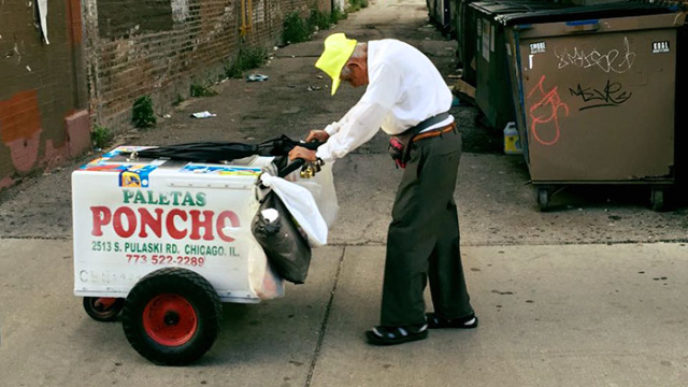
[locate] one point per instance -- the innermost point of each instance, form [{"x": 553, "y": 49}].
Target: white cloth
[{"x": 404, "y": 89}]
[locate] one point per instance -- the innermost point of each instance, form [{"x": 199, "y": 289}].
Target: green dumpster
[
  {"x": 466, "y": 36},
  {"x": 595, "y": 93},
  {"x": 492, "y": 93},
  {"x": 439, "y": 12}
]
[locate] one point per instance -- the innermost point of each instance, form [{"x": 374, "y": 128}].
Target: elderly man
[{"x": 406, "y": 97}]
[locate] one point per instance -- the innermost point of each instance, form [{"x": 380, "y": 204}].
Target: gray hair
[
  {"x": 360, "y": 51},
  {"x": 345, "y": 71}
]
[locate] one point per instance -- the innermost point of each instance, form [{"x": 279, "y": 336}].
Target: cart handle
[
  {"x": 298, "y": 163},
  {"x": 291, "y": 167}
]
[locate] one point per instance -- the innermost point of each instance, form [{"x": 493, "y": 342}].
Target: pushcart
[{"x": 164, "y": 241}]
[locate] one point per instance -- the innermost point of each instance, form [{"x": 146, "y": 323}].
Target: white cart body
[{"x": 134, "y": 217}]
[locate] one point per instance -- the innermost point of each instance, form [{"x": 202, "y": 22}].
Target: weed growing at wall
[
  {"x": 355, "y": 5},
  {"x": 201, "y": 91},
  {"x": 232, "y": 70},
  {"x": 248, "y": 57},
  {"x": 319, "y": 19},
  {"x": 142, "y": 113},
  {"x": 337, "y": 15},
  {"x": 101, "y": 136},
  {"x": 296, "y": 29},
  {"x": 251, "y": 57}
]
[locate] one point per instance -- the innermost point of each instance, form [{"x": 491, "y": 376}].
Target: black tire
[
  {"x": 103, "y": 311},
  {"x": 543, "y": 198},
  {"x": 657, "y": 199},
  {"x": 159, "y": 311}
]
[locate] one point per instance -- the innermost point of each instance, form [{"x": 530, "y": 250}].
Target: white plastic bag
[
  {"x": 302, "y": 206},
  {"x": 321, "y": 186}
]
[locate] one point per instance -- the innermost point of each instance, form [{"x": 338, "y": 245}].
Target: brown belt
[{"x": 435, "y": 132}]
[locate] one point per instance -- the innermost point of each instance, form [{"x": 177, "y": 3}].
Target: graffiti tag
[
  {"x": 612, "y": 94},
  {"x": 544, "y": 112},
  {"x": 614, "y": 60}
]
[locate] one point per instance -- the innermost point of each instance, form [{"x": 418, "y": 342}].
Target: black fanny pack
[{"x": 400, "y": 144}]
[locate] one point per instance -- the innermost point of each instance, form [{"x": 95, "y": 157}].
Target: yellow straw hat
[{"x": 338, "y": 50}]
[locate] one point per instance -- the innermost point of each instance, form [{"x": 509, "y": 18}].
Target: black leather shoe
[
  {"x": 380, "y": 335},
  {"x": 436, "y": 321}
]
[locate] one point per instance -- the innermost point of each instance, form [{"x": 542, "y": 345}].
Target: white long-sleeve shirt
[{"x": 404, "y": 89}]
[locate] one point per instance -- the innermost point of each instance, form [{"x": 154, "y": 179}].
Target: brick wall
[
  {"x": 43, "y": 94},
  {"x": 159, "y": 47}
]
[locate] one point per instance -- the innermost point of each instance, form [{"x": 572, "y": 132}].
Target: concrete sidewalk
[
  {"x": 593, "y": 315},
  {"x": 588, "y": 315}
]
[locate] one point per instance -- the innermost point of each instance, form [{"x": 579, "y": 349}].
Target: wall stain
[{"x": 20, "y": 128}]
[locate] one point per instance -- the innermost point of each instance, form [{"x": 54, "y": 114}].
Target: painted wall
[
  {"x": 43, "y": 95},
  {"x": 66, "y": 64},
  {"x": 160, "y": 47}
]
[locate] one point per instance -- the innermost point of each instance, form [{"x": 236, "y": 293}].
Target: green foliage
[
  {"x": 232, "y": 70},
  {"x": 296, "y": 29},
  {"x": 251, "y": 57},
  {"x": 355, "y": 5},
  {"x": 248, "y": 57},
  {"x": 101, "y": 136},
  {"x": 318, "y": 19},
  {"x": 337, "y": 15},
  {"x": 198, "y": 90},
  {"x": 142, "y": 113}
]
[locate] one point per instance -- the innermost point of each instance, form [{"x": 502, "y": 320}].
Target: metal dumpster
[
  {"x": 492, "y": 93},
  {"x": 595, "y": 94},
  {"x": 439, "y": 12},
  {"x": 466, "y": 36}
]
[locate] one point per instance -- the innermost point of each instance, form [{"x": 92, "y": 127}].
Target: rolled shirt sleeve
[
  {"x": 332, "y": 128},
  {"x": 355, "y": 129}
]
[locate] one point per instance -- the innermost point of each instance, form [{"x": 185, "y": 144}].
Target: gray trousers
[{"x": 423, "y": 237}]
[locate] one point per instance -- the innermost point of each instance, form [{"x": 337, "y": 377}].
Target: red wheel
[
  {"x": 170, "y": 320},
  {"x": 172, "y": 316}
]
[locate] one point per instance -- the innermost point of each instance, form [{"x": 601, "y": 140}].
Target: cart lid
[{"x": 599, "y": 11}]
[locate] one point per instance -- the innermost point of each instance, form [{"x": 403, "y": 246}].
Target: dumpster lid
[
  {"x": 599, "y": 11},
  {"x": 496, "y": 8}
]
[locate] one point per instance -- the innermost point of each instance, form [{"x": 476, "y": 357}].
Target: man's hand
[
  {"x": 299, "y": 152},
  {"x": 317, "y": 135}
]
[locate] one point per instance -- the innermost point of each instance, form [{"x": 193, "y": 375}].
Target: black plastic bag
[{"x": 286, "y": 248}]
